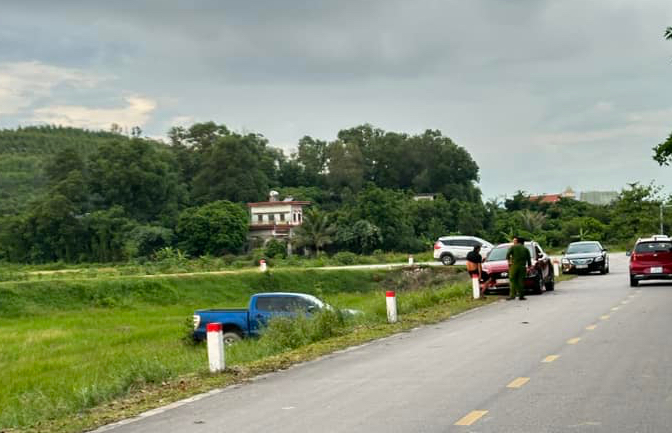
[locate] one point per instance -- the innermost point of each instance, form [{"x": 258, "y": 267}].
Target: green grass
[
  {"x": 72, "y": 348},
  {"x": 11, "y": 272}
]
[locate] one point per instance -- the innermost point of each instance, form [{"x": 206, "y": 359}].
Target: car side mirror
[
  {"x": 562, "y": 252},
  {"x": 628, "y": 253},
  {"x": 311, "y": 309},
  {"x": 605, "y": 250}
]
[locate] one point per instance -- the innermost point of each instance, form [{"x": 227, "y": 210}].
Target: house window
[
  {"x": 294, "y": 214},
  {"x": 271, "y": 217},
  {"x": 282, "y": 217},
  {"x": 260, "y": 218},
  {"x": 299, "y": 217}
]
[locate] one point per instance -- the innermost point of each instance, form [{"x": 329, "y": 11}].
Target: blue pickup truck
[{"x": 241, "y": 323}]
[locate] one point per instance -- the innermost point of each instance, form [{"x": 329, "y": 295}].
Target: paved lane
[{"x": 483, "y": 370}]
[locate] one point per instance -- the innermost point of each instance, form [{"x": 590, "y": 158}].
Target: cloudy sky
[{"x": 544, "y": 94}]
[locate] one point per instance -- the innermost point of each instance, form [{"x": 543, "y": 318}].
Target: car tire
[
  {"x": 550, "y": 285},
  {"x": 447, "y": 259},
  {"x": 539, "y": 285},
  {"x": 231, "y": 337},
  {"x": 633, "y": 282},
  {"x": 604, "y": 270}
]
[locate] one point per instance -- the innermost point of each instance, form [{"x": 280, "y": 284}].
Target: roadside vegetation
[
  {"x": 74, "y": 351},
  {"x": 76, "y": 197}
]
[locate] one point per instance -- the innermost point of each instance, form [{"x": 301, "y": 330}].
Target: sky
[{"x": 544, "y": 94}]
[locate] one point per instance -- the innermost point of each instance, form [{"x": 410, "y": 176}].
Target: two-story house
[{"x": 275, "y": 219}]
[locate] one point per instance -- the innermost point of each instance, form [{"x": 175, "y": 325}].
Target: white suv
[{"x": 450, "y": 248}]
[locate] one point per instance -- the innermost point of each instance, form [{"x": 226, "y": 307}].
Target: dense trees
[
  {"x": 74, "y": 195},
  {"x": 215, "y": 228}
]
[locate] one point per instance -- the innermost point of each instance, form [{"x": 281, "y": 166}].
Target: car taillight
[
  {"x": 633, "y": 257},
  {"x": 437, "y": 246}
]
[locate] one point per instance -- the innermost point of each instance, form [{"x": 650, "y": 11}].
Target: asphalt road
[{"x": 607, "y": 351}]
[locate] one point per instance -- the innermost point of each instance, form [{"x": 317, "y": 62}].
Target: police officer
[{"x": 519, "y": 259}]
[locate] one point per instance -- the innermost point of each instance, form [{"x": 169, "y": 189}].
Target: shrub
[
  {"x": 276, "y": 248},
  {"x": 345, "y": 258},
  {"x": 285, "y": 333}
]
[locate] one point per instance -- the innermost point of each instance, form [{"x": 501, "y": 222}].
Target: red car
[
  {"x": 539, "y": 276},
  {"x": 651, "y": 259}
]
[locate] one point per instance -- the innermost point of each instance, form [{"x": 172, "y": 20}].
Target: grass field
[{"x": 70, "y": 348}]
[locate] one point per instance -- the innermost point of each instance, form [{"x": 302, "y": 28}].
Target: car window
[
  {"x": 274, "y": 303},
  {"x": 497, "y": 254},
  {"x": 653, "y": 247},
  {"x": 448, "y": 242},
  {"x": 473, "y": 243},
  {"x": 299, "y": 304},
  {"x": 583, "y": 248}
]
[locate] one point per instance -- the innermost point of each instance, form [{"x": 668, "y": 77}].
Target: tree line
[{"x": 107, "y": 197}]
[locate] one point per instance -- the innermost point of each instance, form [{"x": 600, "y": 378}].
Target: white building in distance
[{"x": 275, "y": 219}]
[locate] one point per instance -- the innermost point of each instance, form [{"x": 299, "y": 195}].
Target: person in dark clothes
[
  {"x": 519, "y": 260},
  {"x": 474, "y": 267}
]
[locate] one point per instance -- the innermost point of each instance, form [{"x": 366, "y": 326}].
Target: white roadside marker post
[
  {"x": 556, "y": 268},
  {"x": 262, "y": 265},
  {"x": 410, "y": 260},
  {"x": 475, "y": 286},
  {"x": 215, "y": 347},
  {"x": 391, "y": 301}
]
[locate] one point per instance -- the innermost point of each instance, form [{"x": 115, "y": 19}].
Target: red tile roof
[{"x": 546, "y": 198}]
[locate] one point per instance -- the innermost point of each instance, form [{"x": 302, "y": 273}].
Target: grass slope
[{"x": 71, "y": 349}]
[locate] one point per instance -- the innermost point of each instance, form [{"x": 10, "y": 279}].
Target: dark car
[
  {"x": 585, "y": 257},
  {"x": 538, "y": 277},
  {"x": 651, "y": 259}
]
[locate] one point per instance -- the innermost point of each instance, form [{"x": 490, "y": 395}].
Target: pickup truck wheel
[
  {"x": 447, "y": 259},
  {"x": 231, "y": 337}
]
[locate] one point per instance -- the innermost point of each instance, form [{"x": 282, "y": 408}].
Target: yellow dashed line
[
  {"x": 517, "y": 383},
  {"x": 605, "y": 317},
  {"x": 614, "y": 309},
  {"x": 573, "y": 340},
  {"x": 550, "y": 358},
  {"x": 624, "y": 302},
  {"x": 591, "y": 327},
  {"x": 472, "y": 417}
]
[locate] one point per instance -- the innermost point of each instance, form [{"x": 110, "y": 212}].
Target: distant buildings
[
  {"x": 274, "y": 219},
  {"x": 601, "y": 198},
  {"x": 424, "y": 196},
  {"x": 554, "y": 198}
]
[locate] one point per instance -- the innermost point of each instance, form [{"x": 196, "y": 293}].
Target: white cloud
[
  {"x": 22, "y": 83},
  {"x": 135, "y": 113}
]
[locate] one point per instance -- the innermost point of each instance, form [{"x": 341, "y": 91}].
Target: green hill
[{"x": 23, "y": 153}]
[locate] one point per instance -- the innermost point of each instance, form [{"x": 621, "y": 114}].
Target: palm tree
[
  {"x": 315, "y": 231},
  {"x": 508, "y": 235},
  {"x": 532, "y": 221},
  {"x": 582, "y": 235}
]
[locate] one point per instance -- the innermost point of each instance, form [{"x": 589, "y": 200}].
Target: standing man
[
  {"x": 474, "y": 267},
  {"x": 519, "y": 260}
]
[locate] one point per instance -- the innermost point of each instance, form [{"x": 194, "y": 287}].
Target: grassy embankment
[
  {"x": 59, "y": 270},
  {"x": 76, "y": 354}
]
